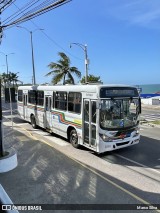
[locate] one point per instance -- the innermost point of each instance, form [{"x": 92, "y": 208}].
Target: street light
[
  {"x": 84, "y": 48},
  {"x": 1, "y": 127},
  {"x": 6, "y": 55},
  {"x": 33, "y": 66}
]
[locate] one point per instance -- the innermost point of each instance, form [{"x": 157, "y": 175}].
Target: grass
[{"x": 157, "y": 122}]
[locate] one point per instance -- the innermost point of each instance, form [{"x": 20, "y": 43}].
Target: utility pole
[
  {"x": 86, "y": 63},
  {"x": 6, "y": 55},
  {"x": 33, "y": 66},
  {"x": 84, "y": 48},
  {"x": 1, "y": 129},
  {"x": 7, "y": 65},
  {"x": 3, "y": 4}
]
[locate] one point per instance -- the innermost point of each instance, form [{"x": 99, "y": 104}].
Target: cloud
[{"x": 139, "y": 12}]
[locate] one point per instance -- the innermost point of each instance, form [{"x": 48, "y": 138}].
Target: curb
[
  {"x": 5, "y": 202},
  {"x": 9, "y": 161}
]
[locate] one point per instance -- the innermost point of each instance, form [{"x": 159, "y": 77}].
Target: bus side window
[
  {"x": 74, "y": 102},
  {"x": 53, "y": 99},
  {"x": 46, "y": 104},
  {"x": 61, "y": 100},
  {"x": 20, "y": 95},
  {"x": 32, "y": 97},
  {"x": 40, "y": 98},
  {"x": 94, "y": 112},
  {"x": 86, "y": 111}
]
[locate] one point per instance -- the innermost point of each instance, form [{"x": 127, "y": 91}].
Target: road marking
[
  {"x": 151, "y": 117},
  {"x": 20, "y": 124},
  {"x": 9, "y": 116},
  {"x": 58, "y": 141},
  {"x": 139, "y": 164}
]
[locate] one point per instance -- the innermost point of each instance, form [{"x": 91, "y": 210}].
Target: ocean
[{"x": 149, "y": 88}]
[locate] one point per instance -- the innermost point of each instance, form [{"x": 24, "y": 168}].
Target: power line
[
  {"x": 29, "y": 5},
  {"x": 41, "y": 11},
  {"x": 9, "y": 5},
  {"x": 16, "y": 14},
  {"x": 5, "y": 3},
  {"x": 43, "y": 4},
  {"x": 17, "y": 18}
]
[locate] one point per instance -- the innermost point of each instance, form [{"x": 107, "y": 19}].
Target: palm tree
[
  {"x": 62, "y": 69},
  {"x": 4, "y": 78},
  {"x": 9, "y": 78},
  {"x": 13, "y": 77}
]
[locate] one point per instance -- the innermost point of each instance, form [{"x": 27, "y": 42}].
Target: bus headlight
[
  {"x": 105, "y": 138},
  {"x": 136, "y": 132}
]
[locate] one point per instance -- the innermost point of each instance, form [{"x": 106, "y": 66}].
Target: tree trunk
[{"x": 64, "y": 79}]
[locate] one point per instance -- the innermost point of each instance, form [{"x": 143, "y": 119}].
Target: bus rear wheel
[
  {"x": 33, "y": 122},
  {"x": 74, "y": 138}
]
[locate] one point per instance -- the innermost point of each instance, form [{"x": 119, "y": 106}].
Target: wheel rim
[
  {"x": 33, "y": 121},
  {"x": 74, "y": 138}
]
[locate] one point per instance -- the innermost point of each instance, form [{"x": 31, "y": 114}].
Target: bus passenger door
[
  {"x": 47, "y": 114},
  {"x": 25, "y": 106},
  {"x": 90, "y": 123}
]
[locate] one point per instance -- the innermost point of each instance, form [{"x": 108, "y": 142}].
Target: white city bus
[{"x": 100, "y": 117}]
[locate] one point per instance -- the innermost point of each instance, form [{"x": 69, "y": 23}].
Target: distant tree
[
  {"x": 62, "y": 69},
  {"x": 11, "y": 79},
  {"x": 4, "y": 78},
  {"x": 91, "y": 78}
]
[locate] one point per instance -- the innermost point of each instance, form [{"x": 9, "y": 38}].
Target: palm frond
[
  {"x": 75, "y": 71},
  {"x": 57, "y": 78},
  {"x": 64, "y": 56},
  {"x": 70, "y": 77},
  {"x": 62, "y": 68},
  {"x": 53, "y": 72},
  {"x": 53, "y": 65}
]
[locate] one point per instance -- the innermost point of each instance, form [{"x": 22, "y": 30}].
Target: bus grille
[{"x": 121, "y": 144}]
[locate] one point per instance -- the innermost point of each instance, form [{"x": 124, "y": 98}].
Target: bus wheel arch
[
  {"x": 33, "y": 121},
  {"x": 73, "y": 137}
]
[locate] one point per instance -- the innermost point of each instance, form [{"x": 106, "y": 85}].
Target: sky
[{"x": 122, "y": 37}]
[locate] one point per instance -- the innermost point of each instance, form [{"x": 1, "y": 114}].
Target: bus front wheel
[
  {"x": 33, "y": 122},
  {"x": 74, "y": 138}
]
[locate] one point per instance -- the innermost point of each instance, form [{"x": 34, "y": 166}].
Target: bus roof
[{"x": 75, "y": 88}]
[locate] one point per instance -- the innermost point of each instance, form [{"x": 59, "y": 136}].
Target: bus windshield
[{"x": 119, "y": 113}]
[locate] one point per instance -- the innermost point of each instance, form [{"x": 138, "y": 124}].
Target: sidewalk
[{"x": 148, "y": 106}]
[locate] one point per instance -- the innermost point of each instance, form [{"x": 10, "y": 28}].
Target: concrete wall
[
  {"x": 151, "y": 101},
  {"x": 146, "y": 101}
]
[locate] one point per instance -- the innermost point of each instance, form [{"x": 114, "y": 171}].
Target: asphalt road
[{"x": 50, "y": 170}]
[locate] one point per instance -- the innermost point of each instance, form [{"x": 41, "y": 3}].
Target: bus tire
[
  {"x": 33, "y": 122},
  {"x": 74, "y": 138}
]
